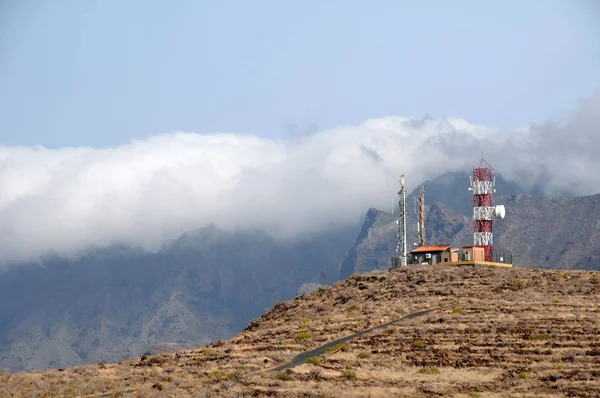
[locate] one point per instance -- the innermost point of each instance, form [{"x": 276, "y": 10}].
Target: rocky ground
[{"x": 491, "y": 333}]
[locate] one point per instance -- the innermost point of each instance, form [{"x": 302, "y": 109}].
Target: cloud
[{"x": 147, "y": 191}]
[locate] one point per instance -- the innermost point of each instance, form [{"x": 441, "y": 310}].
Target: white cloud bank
[{"x": 147, "y": 191}]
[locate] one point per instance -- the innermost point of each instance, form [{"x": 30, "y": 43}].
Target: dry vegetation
[{"x": 498, "y": 333}]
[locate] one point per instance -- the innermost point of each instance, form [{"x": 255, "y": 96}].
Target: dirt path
[{"x": 301, "y": 358}]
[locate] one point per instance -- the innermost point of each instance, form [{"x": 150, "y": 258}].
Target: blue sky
[{"x": 99, "y": 73}]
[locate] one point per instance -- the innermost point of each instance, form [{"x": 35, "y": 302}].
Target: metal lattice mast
[
  {"x": 422, "y": 234},
  {"x": 401, "y": 248},
  {"x": 483, "y": 186}
]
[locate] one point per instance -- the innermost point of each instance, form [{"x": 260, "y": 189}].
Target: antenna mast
[
  {"x": 421, "y": 225},
  {"x": 401, "y": 248}
]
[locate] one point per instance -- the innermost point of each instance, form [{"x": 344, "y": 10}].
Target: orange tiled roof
[{"x": 434, "y": 248}]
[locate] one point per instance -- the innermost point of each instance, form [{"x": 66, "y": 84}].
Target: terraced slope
[{"x": 491, "y": 333}]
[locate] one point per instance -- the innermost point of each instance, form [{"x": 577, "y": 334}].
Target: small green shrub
[
  {"x": 519, "y": 284},
  {"x": 540, "y": 336},
  {"x": 302, "y": 336},
  {"x": 418, "y": 344},
  {"x": 363, "y": 354},
  {"x": 523, "y": 375},
  {"x": 314, "y": 361},
  {"x": 155, "y": 360},
  {"x": 284, "y": 376},
  {"x": 457, "y": 310},
  {"x": 352, "y": 308},
  {"x": 473, "y": 394},
  {"x": 216, "y": 376},
  {"x": 428, "y": 370},
  {"x": 342, "y": 347},
  {"x": 303, "y": 325},
  {"x": 236, "y": 375},
  {"x": 210, "y": 353},
  {"x": 349, "y": 374}
]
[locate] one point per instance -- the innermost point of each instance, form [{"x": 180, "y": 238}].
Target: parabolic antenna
[{"x": 499, "y": 211}]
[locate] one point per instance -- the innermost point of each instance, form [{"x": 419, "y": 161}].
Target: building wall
[
  {"x": 445, "y": 257},
  {"x": 419, "y": 258},
  {"x": 436, "y": 258},
  {"x": 448, "y": 257},
  {"x": 473, "y": 254}
]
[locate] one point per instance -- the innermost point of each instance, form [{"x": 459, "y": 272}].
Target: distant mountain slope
[
  {"x": 118, "y": 302},
  {"x": 554, "y": 233},
  {"x": 558, "y": 233}
]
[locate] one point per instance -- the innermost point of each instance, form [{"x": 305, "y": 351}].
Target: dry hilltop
[{"x": 431, "y": 331}]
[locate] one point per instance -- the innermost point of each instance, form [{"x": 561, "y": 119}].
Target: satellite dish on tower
[{"x": 499, "y": 211}]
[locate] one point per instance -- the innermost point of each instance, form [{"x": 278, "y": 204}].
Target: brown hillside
[{"x": 490, "y": 333}]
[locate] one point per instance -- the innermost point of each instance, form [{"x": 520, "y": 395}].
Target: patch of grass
[
  {"x": 155, "y": 360},
  {"x": 429, "y": 370},
  {"x": 236, "y": 375},
  {"x": 284, "y": 376},
  {"x": 302, "y": 336},
  {"x": 349, "y": 374},
  {"x": 352, "y": 308},
  {"x": 539, "y": 336},
  {"x": 518, "y": 283},
  {"x": 314, "y": 361},
  {"x": 473, "y": 394},
  {"x": 556, "y": 301},
  {"x": 363, "y": 354},
  {"x": 342, "y": 347},
  {"x": 418, "y": 344},
  {"x": 216, "y": 376},
  {"x": 303, "y": 325},
  {"x": 195, "y": 361},
  {"x": 213, "y": 354},
  {"x": 523, "y": 375},
  {"x": 457, "y": 310}
]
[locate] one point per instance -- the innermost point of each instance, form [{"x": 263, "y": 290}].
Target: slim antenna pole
[
  {"x": 402, "y": 224},
  {"x": 422, "y": 235}
]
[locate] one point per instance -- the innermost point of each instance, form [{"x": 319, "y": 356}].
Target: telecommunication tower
[
  {"x": 483, "y": 185},
  {"x": 401, "y": 247},
  {"x": 421, "y": 224}
]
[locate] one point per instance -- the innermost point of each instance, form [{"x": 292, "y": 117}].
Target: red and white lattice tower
[{"x": 483, "y": 185}]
